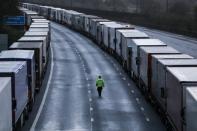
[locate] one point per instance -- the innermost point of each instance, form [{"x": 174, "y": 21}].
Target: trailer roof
[
  {"x": 11, "y": 66},
  {"x": 125, "y": 30},
  {"x": 171, "y": 56},
  {"x": 30, "y": 12},
  {"x": 40, "y": 23},
  {"x": 40, "y": 20},
  {"x": 33, "y": 33},
  {"x": 37, "y": 17},
  {"x": 100, "y": 20},
  {"x": 91, "y": 16},
  {"x": 144, "y": 42},
  {"x": 23, "y": 9},
  {"x": 23, "y": 54},
  {"x": 134, "y": 34},
  {"x": 38, "y": 29},
  {"x": 26, "y": 45},
  {"x": 39, "y": 26},
  {"x": 71, "y": 11},
  {"x": 116, "y": 25},
  {"x": 32, "y": 39},
  {"x": 184, "y": 74},
  {"x": 160, "y": 50},
  {"x": 178, "y": 62},
  {"x": 103, "y": 22}
]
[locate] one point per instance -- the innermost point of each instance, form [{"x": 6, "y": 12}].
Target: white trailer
[
  {"x": 38, "y": 39},
  {"x": 100, "y": 31},
  {"x": 6, "y": 104},
  {"x": 145, "y": 67},
  {"x": 158, "y": 77},
  {"x": 180, "y": 109},
  {"x": 18, "y": 73},
  {"x": 37, "y": 47},
  {"x": 28, "y": 56},
  {"x": 119, "y": 33}
]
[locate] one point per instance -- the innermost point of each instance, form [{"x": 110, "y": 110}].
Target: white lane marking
[
  {"x": 92, "y": 119},
  {"x": 87, "y": 79},
  {"x": 129, "y": 84},
  {"x": 124, "y": 78},
  {"x": 45, "y": 94},
  {"x": 91, "y": 109},
  {"x": 89, "y": 91},
  {"x": 142, "y": 108},
  {"x": 137, "y": 99},
  {"x": 147, "y": 119},
  {"x": 120, "y": 73},
  {"x": 133, "y": 91},
  {"x": 90, "y": 99}
]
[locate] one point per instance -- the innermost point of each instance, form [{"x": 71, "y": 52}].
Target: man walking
[{"x": 99, "y": 85}]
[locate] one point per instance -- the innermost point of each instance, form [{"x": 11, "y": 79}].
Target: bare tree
[
  {"x": 150, "y": 7},
  {"x": 195, "y": 13},
  {"x": 180, "y": 8},
  {"x": 8, "y": 7}
]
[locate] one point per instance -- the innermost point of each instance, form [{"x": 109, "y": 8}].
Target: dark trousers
[{"x": 99, "y": 89}]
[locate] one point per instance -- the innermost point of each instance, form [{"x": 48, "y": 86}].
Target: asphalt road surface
[{"x": 70, "y": 101}]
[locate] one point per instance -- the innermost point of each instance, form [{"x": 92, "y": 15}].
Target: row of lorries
[
  {"x": 166, "y": 76},
  {"x": 22, "y": 70}
]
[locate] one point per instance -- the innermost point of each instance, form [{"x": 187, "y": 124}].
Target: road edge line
[{"x": 45, "y": 94}]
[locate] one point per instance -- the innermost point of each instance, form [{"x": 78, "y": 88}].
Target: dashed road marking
[
  {"x": 137, "y": 99},
  {"x": 124, "y": 78},
  {"x": 89, "y": 91},
  {"x": 92, "y": 119},
  {"x": 132, "y": 91},
  {"x": 142, "y": 108},
  {"x": 90, "y": 99},
  {"x": 147, "y": 119},
  {"x": 91, "y": 109},
  {"x": 129, "y": 84}
]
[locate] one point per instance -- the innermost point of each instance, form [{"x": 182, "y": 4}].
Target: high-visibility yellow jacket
[{"x": 99, "y": 83}]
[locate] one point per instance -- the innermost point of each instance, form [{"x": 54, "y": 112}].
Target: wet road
[
  {"x": 182, "y": 43},
  {"x": 72, "y": 103}
]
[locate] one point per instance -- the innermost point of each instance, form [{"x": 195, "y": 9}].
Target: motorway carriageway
[{"x": 69, "y": 100}]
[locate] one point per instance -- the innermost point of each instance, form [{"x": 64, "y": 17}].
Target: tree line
[
  {"x": 8, "y": 8},
  {"x": 179, "y": 17}
]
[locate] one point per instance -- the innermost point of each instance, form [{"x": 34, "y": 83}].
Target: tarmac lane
[{"x": 72, "y": 102}]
